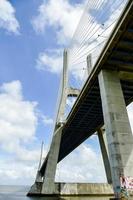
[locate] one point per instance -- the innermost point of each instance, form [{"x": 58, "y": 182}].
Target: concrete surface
[{"x": 117, "y": 126}]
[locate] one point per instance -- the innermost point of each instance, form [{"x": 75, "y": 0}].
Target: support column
[
  {"x": 105, "y": 156},
  {"x": 118, "y": 130},
  {"x": 48, "y": 186}
]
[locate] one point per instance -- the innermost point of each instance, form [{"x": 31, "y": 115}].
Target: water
[{"x": 19, "y": 193}]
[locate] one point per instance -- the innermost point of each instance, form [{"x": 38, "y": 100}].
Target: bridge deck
[{"x": 86, "y": 115}]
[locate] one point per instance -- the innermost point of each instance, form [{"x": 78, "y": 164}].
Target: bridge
[{"x": 100, "y": 102}]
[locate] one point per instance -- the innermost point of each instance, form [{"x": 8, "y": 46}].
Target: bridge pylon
[{"x": 45, "y": 183}]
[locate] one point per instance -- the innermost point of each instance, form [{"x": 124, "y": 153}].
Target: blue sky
[
  {"x": 33, "y": 35},
  {"x": 18, "y": 59}
]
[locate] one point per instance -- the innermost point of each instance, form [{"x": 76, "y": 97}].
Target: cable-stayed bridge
[{"x": 102, "y": 46}]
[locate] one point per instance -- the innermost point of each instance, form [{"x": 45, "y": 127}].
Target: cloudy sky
[{"x": 33, "y": 35}]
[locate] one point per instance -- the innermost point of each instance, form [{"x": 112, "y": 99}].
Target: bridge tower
[
  {"x": 48, "y": 186},
  {"x": 47, "y": 181}
]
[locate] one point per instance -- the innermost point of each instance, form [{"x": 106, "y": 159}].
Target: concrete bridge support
[
  {"x": 118, "y": 130},
  {"x": 104, "y": 155},
  {"x": 48, "y": 186}
]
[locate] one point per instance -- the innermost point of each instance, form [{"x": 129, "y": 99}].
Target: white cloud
[
  {"x": 18, "y": 118},
  {"x": 8, "y": 20},
  {"x": 81, "y": 166},
  {"x": 18, "y": 121},
  {"x": 15, "y": 173},
  {"x": 50, "y": 61},
  {"x": 60, "y": 15},
  {"x": 130, "y": 115},
  {"x": 47, "y": 120},
  {"x": 20, "y": 149}
]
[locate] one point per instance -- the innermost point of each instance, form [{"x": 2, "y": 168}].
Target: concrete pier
[
  {"x": 78, "y": 189},
  {"x": 95, "y": 191},
  {"x": 118, "y": 130}
]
